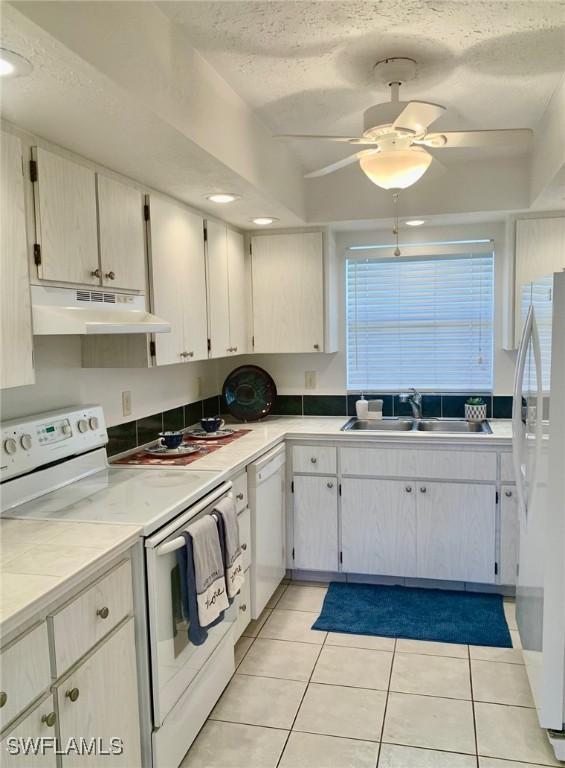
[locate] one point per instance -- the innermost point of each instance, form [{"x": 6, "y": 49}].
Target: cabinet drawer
[
  {"x": 86, "y": 619},
  {"x": 25, "y": 672},
  {"x": 244, "y": 520},
  {"x": 243, "y": 608},
  {"x": 239, "y": 491},
  {"x": 314, "y": 459},
  {"x": 392, "y": 462},
  {"x": 506, "y": 468},
  {"x": 40, "y": 722}
]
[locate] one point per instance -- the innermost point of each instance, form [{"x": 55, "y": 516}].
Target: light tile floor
[{"x": 307, "y": 699}]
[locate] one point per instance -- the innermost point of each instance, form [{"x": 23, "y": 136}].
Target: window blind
[{"x": 424, "y": 322}]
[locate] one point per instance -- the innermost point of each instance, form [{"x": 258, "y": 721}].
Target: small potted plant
[{"x": 475, "y": 409}]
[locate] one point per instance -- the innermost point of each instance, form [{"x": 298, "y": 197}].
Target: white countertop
[{"x": 62, "y": 537}]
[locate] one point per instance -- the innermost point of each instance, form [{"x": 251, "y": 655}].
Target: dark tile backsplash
[
  {"x": 325, "y": 405},
  {"x": 125, "y": 437}
]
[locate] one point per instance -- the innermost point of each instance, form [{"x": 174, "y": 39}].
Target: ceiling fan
[{"x": 396, "y": 133}]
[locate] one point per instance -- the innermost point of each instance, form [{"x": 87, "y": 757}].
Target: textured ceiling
[{"x": 307, "y": 66}]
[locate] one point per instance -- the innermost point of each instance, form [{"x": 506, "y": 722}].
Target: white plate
[
  {"x": 162, "y": 450},
  {"x": 201, "y": 434}
]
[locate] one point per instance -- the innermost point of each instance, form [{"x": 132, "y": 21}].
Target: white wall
[
  {"x": 60, "y": 381},
  {"x": 288, "y": 371}
]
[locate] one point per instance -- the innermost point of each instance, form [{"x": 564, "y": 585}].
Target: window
[{"x": 423, "y": 322}]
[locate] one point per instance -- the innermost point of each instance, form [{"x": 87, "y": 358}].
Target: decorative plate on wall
[{"x": 249, "y": 393}]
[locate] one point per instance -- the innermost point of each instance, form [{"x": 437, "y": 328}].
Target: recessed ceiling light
[
  {"x": 13, "y": 65},
  {"x": 415, "y": 222},
  {"x": 264, "y": 221},
  {"x": 222, "y": 197}
]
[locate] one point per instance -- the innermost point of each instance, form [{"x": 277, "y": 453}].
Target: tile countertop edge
[{"x": 15, "y": 622}]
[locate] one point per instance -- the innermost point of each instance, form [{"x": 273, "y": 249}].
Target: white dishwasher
[{"x": 266, "y": 478}]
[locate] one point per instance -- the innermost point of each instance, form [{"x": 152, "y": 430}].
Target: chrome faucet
[{"x": 415, "y": 399}]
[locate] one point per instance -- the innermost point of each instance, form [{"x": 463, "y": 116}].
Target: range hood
[{"x": 64, "y": 311}]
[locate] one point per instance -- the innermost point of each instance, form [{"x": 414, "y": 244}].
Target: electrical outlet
[
  {"x": 126, "y": 403},
  {"x": 310, "y": 379}
]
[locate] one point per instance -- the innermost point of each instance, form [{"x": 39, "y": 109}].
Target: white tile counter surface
[{"x": 50, "y": 544}]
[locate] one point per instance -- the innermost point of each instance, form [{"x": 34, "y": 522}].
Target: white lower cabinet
[
  {"x": 99, "y": 701},
  {"x": 378, "y": 527},
  {"x": 509, "y": 535},
  {"x": 315, "y": 523},
  {"x": 39, "y": 723},
  {"x": 456, "y": 525}
]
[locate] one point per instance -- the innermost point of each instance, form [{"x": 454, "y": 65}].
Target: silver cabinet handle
[
  {"x": 316, "y": 346},
  {"x": 103, "y": 612},
  {"x": 3, "y": 699},
  {"x": 73, "y": 694},
  {"x": 244, "y": 547},
  {"x": 423, "y": 489},
  {"x": 95, "y": 273},
  {"x": 330, "y": 485},
  {"x": 49, "y": 719},
  {"x": 234, "y": 349},
  {"x": 243, "y": 608},
  {"x": 239, "y": 497},
  {"x": 508, "y": 493},
  {"x": 408, "y": 489},
  {"x": 110, "y": 275},
  {"x": 314, "y": 460},
  {"x": 190, "y": 354}
]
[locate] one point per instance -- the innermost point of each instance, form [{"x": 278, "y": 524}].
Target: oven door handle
[{"x": 181, "y": 521}]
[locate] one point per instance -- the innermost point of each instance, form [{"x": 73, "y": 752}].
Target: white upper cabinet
[
  {"x": 66, "y": 223},
  {"x": 288, "y": 292},
  {"x": 16, "y": 362},
  {"x": 121, "y": 231},
  {"x": 226, "y": 290},
  {"x": 238, "y": 293},
  {"x": 179, "y": 281}
]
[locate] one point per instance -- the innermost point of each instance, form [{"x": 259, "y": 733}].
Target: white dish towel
[
  {"x": 210, "y": 583},
  {"x": 232, "y": 549}
]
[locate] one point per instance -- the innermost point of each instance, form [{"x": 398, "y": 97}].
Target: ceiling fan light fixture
[
  {"x": 264, "y": 221},
  {"x": 396, "y": 168},
  {"x": 12, "y": 64}
]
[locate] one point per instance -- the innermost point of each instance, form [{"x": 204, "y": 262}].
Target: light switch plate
[
  {"x": 126, "y": 403},
  {"x": 310, "y": 379}
]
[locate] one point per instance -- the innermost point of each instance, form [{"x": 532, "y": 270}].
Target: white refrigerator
[{"x": 539, "y": 466}]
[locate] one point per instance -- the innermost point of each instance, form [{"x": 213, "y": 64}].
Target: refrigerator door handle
[{"x": 518, "y": 430}]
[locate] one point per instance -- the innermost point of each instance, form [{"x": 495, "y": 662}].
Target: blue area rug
[{"x": 441, "y": 615}]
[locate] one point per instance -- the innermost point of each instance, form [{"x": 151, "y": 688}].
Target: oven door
[{"x": 175, "y": 661}]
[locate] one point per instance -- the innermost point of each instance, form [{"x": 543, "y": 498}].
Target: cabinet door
[
  {"x": 509, "y": 535},
  {"x": 121, "y": 231},
  {"x": 65, "y": 196},
  {"x": 16, "y": 363},
  {"x": 218, "y": 290},
  {"x": 378, "y": 527},
  {"x": 40, "y": 723},
  {"x": 107, "y": 705},
  {"x": 288, "y": 292},
  {"x": 238, "y": 298},
  {"x": 456, "y": 525},
  {"x": 194, "y": 291},
  {"x": 315, "y": 523}
]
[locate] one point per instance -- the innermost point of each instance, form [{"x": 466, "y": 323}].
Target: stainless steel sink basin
[
  {"x": 452, "y": 425},
  {"x": 390, "y": 424},
  {"x": 380, "y": 425}
]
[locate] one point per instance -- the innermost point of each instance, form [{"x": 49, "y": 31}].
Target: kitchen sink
[
  {"x": 390, "y": 424},
  {"x": 380, "y": 425},
  {"x": 453, "y": 425}
]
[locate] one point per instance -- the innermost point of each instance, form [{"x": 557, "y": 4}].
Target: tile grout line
[
  {"x": 300, "y": 704},
  {"x": 473, "y": 707},
  {"x": 386, "y": 703}
]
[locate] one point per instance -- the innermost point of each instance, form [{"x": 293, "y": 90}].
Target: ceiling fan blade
[
  {"x": 346, "y": 139},
  {"x": 511, "y": 137},
  {"x": 418, "y": 115},
  {"x": 340, "y": 164}
]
